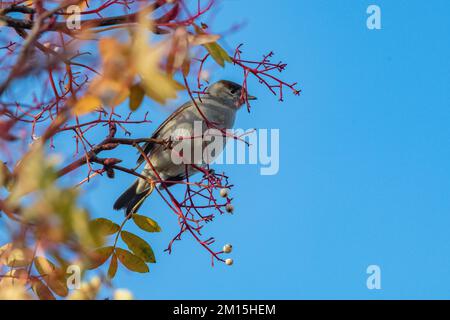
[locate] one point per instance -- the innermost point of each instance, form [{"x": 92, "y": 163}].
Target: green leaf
[
  {"x": 136, "y": 96},
  {"x": 52, "y": 276},
  {"x": 145, "y": 223},
  {"x": 99, "y": 257},
  {"x": 103, "y": 226},
  {"x": 217, "y": 53},
  {"x": 131, "y": 261},
  {"x": 138, "y": 246},
  {"x": 215, "y": 50},
  {"x": 112, "y": 267}
]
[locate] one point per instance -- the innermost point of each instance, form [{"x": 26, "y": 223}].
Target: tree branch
[{"x": 91, "y": 23}]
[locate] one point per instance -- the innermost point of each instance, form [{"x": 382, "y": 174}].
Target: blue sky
[
  {"x": 364, "y": 172},
  {"x": 364, "y": 175}
]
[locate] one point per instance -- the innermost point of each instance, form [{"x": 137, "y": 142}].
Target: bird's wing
[
  {"x": 148, "y": 146},
  {"x": 172, "y": 180}
]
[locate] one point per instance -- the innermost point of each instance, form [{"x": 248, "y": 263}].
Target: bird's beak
[{"x": 249, "y": 97}]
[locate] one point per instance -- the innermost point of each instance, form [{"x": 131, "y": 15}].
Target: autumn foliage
[{"x": 84, "y": 67}]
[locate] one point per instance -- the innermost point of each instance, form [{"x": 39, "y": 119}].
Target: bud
[
  {"x": 224, "y": 192},
  {"x": 227, "y": 248},
  {"x": 229, "y": 262},
  {"x": 229, "y": 207},
  {"x": 110, "y": 146},
  {"x": 110, "y": 172},
  {"x": 111, "y": 161}
]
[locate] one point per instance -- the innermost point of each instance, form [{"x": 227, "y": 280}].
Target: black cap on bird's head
[{"x": 229, "y": 90}]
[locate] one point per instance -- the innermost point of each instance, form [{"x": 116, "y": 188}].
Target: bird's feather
[
  {"x": 172, "y": 181},
  {"x": 148, "y": 146}
]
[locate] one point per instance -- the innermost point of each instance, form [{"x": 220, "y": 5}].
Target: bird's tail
[{"x": 130, "y": 200}]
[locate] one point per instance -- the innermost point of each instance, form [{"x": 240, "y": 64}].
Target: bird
[{"x": 218, "y": 105}]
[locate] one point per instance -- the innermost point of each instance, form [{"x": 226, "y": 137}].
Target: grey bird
[{"x": 219, "y": 105}]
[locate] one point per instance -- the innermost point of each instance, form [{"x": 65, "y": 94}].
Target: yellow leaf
[
  {"x": 201, "y": 39},
  {"x": 34, "y": 171},
  {"x": 41, "y": 290},
  {"x": 157, "y": 85},
  {"x": 217, "y": 53},
  {"x": 179, "y": 51},
  {"x": 14, "y": 277},
  {"x": 215, "y": 50},
  {"x": 13, "y": 285},
  {"x": 110, "y": 92},
  {"x": 118, "y": 72},
  {"x": 112, "y": 267},
  {"x": 86, "y": 104},
  {"x": 160, "y": 87},
  {"x": 136, "y": 96},
  {"x": 115, "y": 58},
  {"x": 44, "y": 266},
  {"x": 186, "y": 66},
  {"x": 5, "y": 174},
  {"x": 131, "y": 261},
  {"x": 108, "y": 47},
  {"x": 54, "y": 278},
  {"x": 145, "y": 223},
  {"x": 178, "y": 86},
  {"x": 20, "y": 257},
  {"x": 138, "y": 246},
  {"x": 4, "y": 251},
  {"x": 103, "y": 226},
  {"x": 15, "y": 257},
  {"x": 99, "y": 257}
]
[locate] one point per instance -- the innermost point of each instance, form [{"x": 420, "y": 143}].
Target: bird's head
[{"x": 230, "y": 92}]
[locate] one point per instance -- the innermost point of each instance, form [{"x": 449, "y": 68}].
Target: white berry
[
  {"x": 227, "y": 248},
  {"x": 229, "y": 207},
  {"x": 224, "y": 192},
  {"x": 229, "y": 262}
]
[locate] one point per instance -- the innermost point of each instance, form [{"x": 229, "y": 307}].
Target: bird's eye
[{"x": 233, "y": 91}]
